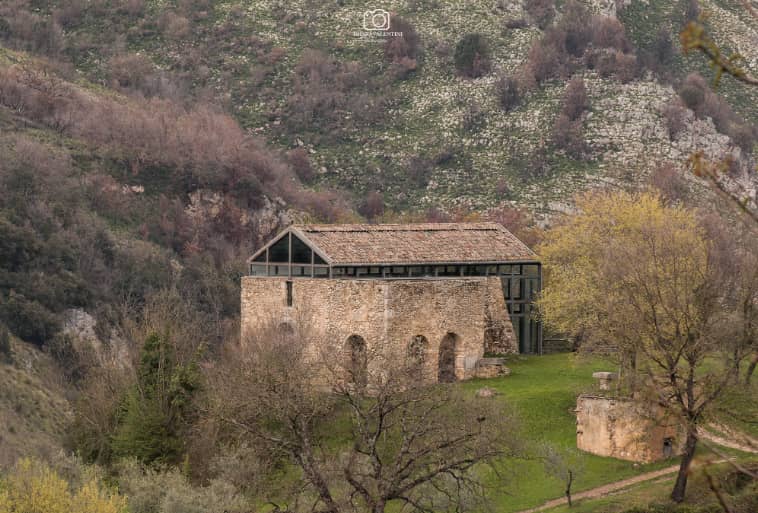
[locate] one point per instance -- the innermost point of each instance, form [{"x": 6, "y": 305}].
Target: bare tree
[
  {"x": 640, "y": 278},
  {"x": 358, "y": 448},
  {"x": 564, "y": 465}
]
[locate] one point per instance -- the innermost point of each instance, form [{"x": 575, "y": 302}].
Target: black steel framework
[{"x": 290, "y": 257}]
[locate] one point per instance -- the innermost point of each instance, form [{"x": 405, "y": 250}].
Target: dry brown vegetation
[
  {"x": 408, "y": 444},
  {"x": 581, "y": 40},
  {"x": 697, "y": 95}
]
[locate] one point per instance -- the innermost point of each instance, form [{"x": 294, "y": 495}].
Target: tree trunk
[
  {"x": 677, "y": 495},
  {"x": 751, "y": 369}
]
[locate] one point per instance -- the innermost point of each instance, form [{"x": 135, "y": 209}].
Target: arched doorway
[
  {"x": 416, "y": 357},
  {"x": 446, "y": 359},
  {"x": 357, "y": 361}
]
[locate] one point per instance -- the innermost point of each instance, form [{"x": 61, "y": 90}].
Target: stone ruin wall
[
  {"x": 389, "y": 313},
  {"x": 625, "y": 429}
]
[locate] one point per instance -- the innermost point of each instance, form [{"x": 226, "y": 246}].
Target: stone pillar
[{"x": 605, "y": 379}]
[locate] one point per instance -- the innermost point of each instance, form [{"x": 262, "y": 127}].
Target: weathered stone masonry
[
  {"x": 625, "y": 429},
  {"x": 389, "y": 313}
]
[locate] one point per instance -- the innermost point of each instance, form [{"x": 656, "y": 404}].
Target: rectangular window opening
[{"x": 289, "y": 293}]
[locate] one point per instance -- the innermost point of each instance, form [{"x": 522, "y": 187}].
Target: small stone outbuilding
[
  {"x": 447, "y": 293},
  {"x": 626, "y": 429}
]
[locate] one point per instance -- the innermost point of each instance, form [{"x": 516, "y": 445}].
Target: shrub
[
  {"x": 72, "y": 362},
  {"x": 473, "y": 117},
  {"x": 420, "y": 169},
  {"x": 692, "y": 92},
  {"x": 6, "y": 351},
  {"x": 575, "y": 100},
  {"x": 28, "y": 318},
  {"x": 168, "y": 491},
  {"x": 301, "y": 164},
  {"x": 32, "y": 486},
  {"x": 614, "y": 63},
  {"x": 472, "y": 56},
  {"x": 567, "y": 135},
  {"x": 693, "y": 10},
  {"x": 507, "y": 90},
  {"x": 607, "y": 32},
  {"x": 544, "y": 61},
  {"x": 668, "y": 180},
  {"x": 744, "y": 136},
  {"x": 540, "y": 11},
  {"x": 372, "y": 206},
  {"x": 577, "y": 27},
  {"x": 698, "y": 97},
  {"x": 325, "y": 89},
  {"x": 675, "y": 115},
  {"x": 515, "y": 23},
  {"x": 175, "y": 26},
  {"x": 663, "y": 51},
  {"x": 130, "y": 71},
  {"x": 566, "y": 45},
  {"x": 405, "y": 46}
]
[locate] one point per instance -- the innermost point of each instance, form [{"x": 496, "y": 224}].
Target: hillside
[
  {"x": 34, "y": 405},
  {"x": 414, "y": 130}
]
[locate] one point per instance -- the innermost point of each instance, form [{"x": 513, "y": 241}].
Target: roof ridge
[{"x": 358, "y": 227}]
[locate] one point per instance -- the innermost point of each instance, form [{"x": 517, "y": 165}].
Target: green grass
[
  {"x": 542, "y": 390},
  {"x": 637, "y": 495},
  {"x": 657, "y": 491},
  {"x": 739, "y": 409}
]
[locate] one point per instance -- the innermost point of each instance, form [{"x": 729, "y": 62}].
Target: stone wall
[
  {"x": 625, "y": 429},
  {"x": 388, "y": 314}
]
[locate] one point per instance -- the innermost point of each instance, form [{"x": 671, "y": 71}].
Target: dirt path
[
  {"x": 737, "y": 440},
  {"x": 601, "y": 491}
]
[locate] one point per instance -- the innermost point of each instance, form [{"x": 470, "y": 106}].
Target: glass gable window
[
  {"x": 280, "y": 250},
  {"x": 301, "y": 253}
]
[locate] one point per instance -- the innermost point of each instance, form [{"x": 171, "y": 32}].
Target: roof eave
[
  {"x": 299, "y": 234},
  {"x": 446, "y": 262}
]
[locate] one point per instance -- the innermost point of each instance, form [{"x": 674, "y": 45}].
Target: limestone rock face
[{"x": 80, "y": 326}]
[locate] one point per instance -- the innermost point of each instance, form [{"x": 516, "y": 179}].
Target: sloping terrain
[
  {"x": 417, "y": 132},
  {"x": 34, "y": 407}
]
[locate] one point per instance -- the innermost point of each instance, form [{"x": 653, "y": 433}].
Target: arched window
[
  {"x": 446, "y": 358},
  {"x": 357, "y": 361},
  {"x": 416, "y": 357}
]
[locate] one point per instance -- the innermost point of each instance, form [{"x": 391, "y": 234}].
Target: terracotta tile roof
[{"x": 415, "y": 243}]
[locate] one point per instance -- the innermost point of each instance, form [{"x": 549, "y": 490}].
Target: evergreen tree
[{"x": 156, "y": 411}]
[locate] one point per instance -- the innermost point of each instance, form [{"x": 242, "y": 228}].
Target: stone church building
[{"x": 449, "y": 293}]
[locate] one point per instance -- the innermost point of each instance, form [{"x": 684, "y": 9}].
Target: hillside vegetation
[{"x": 400, "y": 118}]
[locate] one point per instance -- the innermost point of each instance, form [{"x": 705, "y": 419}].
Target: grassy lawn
[
  {"x": 739, "y": 409},
  {"x": 639, "y": 495},
  {"x": 657, "y": 492},
  {"x": 542, "y": 390}
]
